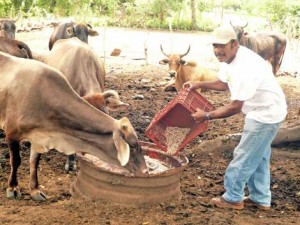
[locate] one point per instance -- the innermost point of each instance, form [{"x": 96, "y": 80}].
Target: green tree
[
  {"x": 165, "y": 8},
  {"x": 274, "y": 10}
]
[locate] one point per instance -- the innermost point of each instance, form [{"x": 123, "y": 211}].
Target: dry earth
[{"x": 200, "y": 180}]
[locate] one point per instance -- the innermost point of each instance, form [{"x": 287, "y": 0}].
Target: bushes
[{"x": 152, "y": 14}]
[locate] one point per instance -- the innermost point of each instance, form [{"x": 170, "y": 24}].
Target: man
[{"x": 254, "y": 91}]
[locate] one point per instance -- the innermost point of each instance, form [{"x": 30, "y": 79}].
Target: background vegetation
[{"x": 202, "y": 15}]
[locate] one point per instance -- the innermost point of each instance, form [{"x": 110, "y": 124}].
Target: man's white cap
[{"x": 223, "y": 34}]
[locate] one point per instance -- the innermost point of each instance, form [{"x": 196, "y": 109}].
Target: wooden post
[
  {"x": 103, "y": 43},
  {"x": 146, "y": 47},
  {"x": 171, "y": 33}
]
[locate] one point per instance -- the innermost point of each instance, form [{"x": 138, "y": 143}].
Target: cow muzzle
[
  {"x": 137, "y": 163},
  {"x": 172, "y": 73}
]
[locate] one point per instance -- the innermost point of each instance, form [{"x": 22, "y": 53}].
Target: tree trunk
[
  {"x": 287, "y": 133},
  {"x": 161, "y": 13},
  {"x": 194, "y": 20}
]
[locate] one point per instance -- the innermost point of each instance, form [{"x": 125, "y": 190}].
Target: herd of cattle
[{"x": 58, "y": 100}]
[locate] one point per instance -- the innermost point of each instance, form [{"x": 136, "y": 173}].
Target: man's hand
[
  {"x": 191, "y": 85},
  {"x": 199, "y": 116}
]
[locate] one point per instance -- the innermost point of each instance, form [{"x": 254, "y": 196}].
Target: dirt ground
[{"x": 201, "y": 180}]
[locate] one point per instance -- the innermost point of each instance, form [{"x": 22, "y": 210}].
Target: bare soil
[{"x": 140, "y": 85}]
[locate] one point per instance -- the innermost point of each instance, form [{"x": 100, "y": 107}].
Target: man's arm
[
  {"x": 216, "y": 85},
  {"x": 231, "y": 109}
]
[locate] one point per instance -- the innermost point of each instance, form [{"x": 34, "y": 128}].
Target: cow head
[
  {"x": 81, "y": 31},
  {"x": 107, "y": 101},
  {"x": 113, "y": 102},
  {"x": 133, "y": 160},
  {"x": 174, "y": 61},
  {"x": 124, "y": 140},
  {"x": 71, "y": 29},
  {"x": 8, "y": 28},
  {"x": 239, "y": 30}
]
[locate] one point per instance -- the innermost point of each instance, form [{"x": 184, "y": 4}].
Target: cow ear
[
  {"x": 92, "y": 32},
  {"x": 123, "y": 148},
  {"x": 164, "y": 61},
  {"x": 114, "y": 104},
  {"x": 70, "y": 31}
]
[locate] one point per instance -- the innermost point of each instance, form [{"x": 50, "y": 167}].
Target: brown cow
[
  {"x": 269, "y": 45},
  {"x": 15, "y": 48},
  {"x": 7, "y": 28},
  {"x": 38, "y": 105},
  {"x": 67, "y": 30},
  {"x": 86, "y": 74},
  {"x": 85, "y": 71},
  {"x": 182, "y": 71}
]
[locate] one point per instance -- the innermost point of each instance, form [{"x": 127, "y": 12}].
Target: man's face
[{"x": 225, "y": 52}]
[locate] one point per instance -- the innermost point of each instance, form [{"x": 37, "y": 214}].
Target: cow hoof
[
  {"x": 38, "y": 196},
  {"x": 70, "y": 166},
  {"x": 13, "y": 193}
]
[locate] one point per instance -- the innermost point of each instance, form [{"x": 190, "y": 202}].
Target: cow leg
[
  {"x": 170, "y": 86},
  {"x": 13, "y": 191},
  {"x": 35, "y": 193},
  {"x": 71, "y": 163}
]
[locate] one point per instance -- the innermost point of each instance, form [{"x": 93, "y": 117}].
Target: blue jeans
[{"x": 251, "y": 164}]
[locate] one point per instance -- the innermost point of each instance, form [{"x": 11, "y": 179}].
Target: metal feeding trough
[{"x": 99, "y": 180}]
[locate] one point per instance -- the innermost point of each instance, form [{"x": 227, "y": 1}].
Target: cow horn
[
  {"x": 110, "y": 93},
  {"x": 161, "y": 48},
  {"x": 245, "y": 25},
  {"x": 231, "y": 23},
  {"x": 186, "y": 52}
]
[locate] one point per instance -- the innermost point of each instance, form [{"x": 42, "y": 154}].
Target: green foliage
[
  {"x": 209, "y": 5},
  {"x": 154, "y": 14},
  {"x": 5, "y": 8},
  {"x": 155, "y": 23},
  {"x": 232, "y": 4},
  {"x": 206, "y": 25},
  {"x": 275, "y": 10},
  {"x": 165, "y": 8},
  {"x": 205, "y": 5},
  {"x": 293, "y": 8}
]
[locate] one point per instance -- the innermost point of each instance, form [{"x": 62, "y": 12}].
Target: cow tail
[{"x": 22, "y": 45}]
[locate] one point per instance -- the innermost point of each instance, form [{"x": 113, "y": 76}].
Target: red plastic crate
[{"x": 177, "y": 113}]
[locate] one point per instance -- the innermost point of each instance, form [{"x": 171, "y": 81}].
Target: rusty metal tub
[{"x": 97, "y": 180}]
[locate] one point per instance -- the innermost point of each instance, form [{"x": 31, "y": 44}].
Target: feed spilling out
[{"x": 174, "y": 137}]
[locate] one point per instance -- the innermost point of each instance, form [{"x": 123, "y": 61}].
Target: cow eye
[{"x": 182, "y": 61}]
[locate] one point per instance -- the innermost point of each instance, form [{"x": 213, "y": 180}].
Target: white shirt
[{"x": 250, "y": 79}]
